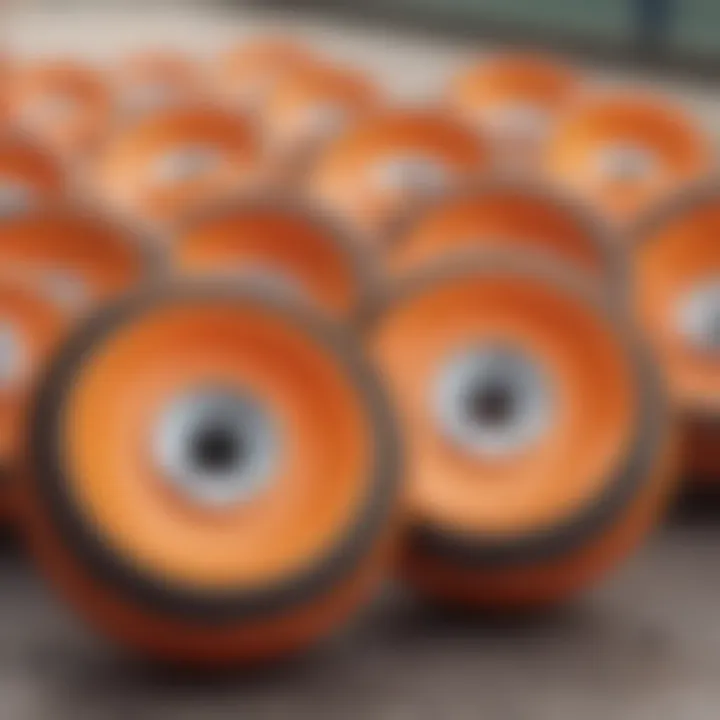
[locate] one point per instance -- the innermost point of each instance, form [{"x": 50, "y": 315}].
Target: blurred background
[
  {"x": 644, "y": 646},
  {"x": 411, "y": 46}
]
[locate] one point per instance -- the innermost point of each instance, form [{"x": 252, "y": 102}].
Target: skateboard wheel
[
  {"x": 177, "y": 159},
  {"x": 384, "y": 163},
  {"x": 79, "y": 258},
  {"x": 676, "y": 279},
  {"x": 538, "y": 444},
  {"x": 30, "y": 176},
  {"x": 625, "y": 152},
  {"x": 66, "y": 106},
  {"x": 153, "y": 80},
  {"x": 283, "y": 244},
  {"x": 518, "y": 216},
  {"x": 31, "y": 325},
  {"x": 309, "y": 107},
  {"x": 515, "y": 99},
  {"x": 248, "y": 72},
  {"x": 236, "y": 501}
]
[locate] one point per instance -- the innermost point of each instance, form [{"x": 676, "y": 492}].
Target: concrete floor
[{"x": 645, "y": 646}]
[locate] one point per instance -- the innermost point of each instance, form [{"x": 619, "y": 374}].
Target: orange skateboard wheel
[
  {"x": 523, "y": 216},
  {"x": 676, "y": 279},
  {"x": 249, "y": 72},
  {"x": 538, "y": 443},
  {"x": 309, "y": 107},
  {"x": 78, "y": 257},
  {"x": 233, "y": 505},
  {"x": 515, "y": 99},
  {"x": 172, "y": 161},
  {"x": 65, "y": 105},
  {"x": 283, "y": 243},
  {"x": 32, "y": 325},
  {"x": 385, "y": 163},
  {"x": 152, "y": 80},
  {"x": 30, "y": 176},
  {"x": 624, "y": 152}
]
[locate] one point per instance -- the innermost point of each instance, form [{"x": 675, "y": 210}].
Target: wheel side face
[
  {"x": 676, "y": 267},
  {"x": 195, "y": 569},
  {"x": 287, "y": 249},
  {"x": 516, "y": 100},
  {"x": 385, "y": 163},
  {"x": 145, "y": 519},
  {"x": 529, "y": 476},
  {"x": 179, "y": 159},
  {"x": 504, "y": 218},
  {"x": 81, "y": 259},
  {"x": 559, "y": 470},
  {"x": 66, "y": 106},
  {"x": 625, "y": 154}
]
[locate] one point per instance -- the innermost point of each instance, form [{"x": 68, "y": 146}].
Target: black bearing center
[
  {"x": 491, "y": 405},
  {"x": 218, "y": 449}
]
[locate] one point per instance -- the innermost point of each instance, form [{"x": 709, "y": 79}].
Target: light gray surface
[{"x": 646, "y": 646}]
